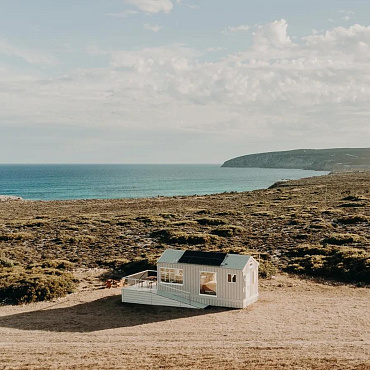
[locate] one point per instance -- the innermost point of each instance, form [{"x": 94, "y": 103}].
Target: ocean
[{"x": 111, "y": 181}]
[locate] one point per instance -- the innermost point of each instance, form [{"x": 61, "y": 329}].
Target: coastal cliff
[{"x": 340, "y": 159}]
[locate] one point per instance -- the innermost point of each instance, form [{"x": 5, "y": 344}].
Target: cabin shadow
[{"x": 102, "y": 314}]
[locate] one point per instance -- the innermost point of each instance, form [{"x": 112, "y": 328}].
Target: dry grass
[{"x": 268, "y": 222}]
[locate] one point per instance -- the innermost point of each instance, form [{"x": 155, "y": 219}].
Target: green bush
[
  {"x": 18, "y": 285},
  {"x": 343, "y": 264},
  {"x": 228, "y": 231},
  {"x": 178, "y": 237},
  {"x": 54, "y": 264},
  {"x": 266, "y": 268}
]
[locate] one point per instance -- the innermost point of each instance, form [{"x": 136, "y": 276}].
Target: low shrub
[
  {"x": 351, "y": 205},
  {"x": 344, "y": 264},
  {"x": 171, "y": 236},
  {"x": 150, "y": 219},
  {"x": 211, "y": 221},
  {"x": 267, "y": 269},
  {"x": 20, "y": 285},
  {"x": 228, "y": 231},
  {"x": 53, "y": 264},
  {"x": 353, "y": 219},
  {"x": 6, "y": 262},
  {"x": 15, "y": 236},
  {"x": 263, "y": 214},
  {"x": 342, "y": 239}
]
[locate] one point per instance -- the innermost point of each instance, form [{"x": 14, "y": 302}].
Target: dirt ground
[{"x": 296, "y": 324}]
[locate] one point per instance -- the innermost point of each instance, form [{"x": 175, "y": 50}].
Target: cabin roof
[{"x": 230, "y": 261}]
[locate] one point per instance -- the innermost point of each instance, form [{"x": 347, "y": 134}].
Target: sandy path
[{"x": 295, "y": 324}]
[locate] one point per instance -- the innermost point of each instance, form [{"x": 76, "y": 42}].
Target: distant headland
[{"x": 335, "y": 160}]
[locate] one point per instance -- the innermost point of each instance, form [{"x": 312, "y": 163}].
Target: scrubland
[{"x": 316, "y": 230}]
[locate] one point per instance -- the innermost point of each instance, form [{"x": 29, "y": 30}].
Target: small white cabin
[{"x": 195, "y": 279}]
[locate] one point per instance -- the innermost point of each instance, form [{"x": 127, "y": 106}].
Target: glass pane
[
  {"x": 208, "y": 283},
  {"x": 171, "y": 275}
]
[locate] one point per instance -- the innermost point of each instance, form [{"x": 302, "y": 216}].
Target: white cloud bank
[
  {"x": 314, "y": 92},
  {"x": 241, "y": 28}
]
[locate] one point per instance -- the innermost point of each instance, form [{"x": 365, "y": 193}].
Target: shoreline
[{"x": 4, "y": 198}]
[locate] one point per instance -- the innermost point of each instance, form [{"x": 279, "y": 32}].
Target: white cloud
[
  {"x": 30, "y": 56},
  {"x": 152, "y": 27},
  {"x": 272, "y": 35},
  {"x": 241, "y": 28},
  {"x": 122, "y": 15},
  {"x": 152, "y": 6},
  {"x": 313, "y": 92}
]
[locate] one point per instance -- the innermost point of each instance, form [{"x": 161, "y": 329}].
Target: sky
[{"x": 181, "y": 81}]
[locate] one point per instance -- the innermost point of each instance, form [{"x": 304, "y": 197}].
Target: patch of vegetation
[
  {"x": 184, "y": 223},
  {"x": 354, "y": 198},
  {"x": 228, "y": 231},
  {"x": 211, "y": 221},
  {"x": 27, "y": 284},
  {"x": 150, "y": 219},
  {"x": 6, "y": 262},
  {"x": 263, "y": 214},
  {"x": 202, "y": 212},
  {"x": 351, "y": 205},
  {"x": 342, "y": 239},
  {"x": 177, "y": 237},
  {"x": 352, "y": 219},
  {"x": 15, "y": 236},
  {"x": 53, "y": 264},
  {"x": 124, "y": 267},
  {"x": 228, "y": 212},
  {"x": 343, "y": 264},
  {"x": 266, "y": 269}
]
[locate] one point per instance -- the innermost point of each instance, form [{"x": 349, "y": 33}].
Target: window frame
[
  {"x": 231, "y": 278},
  {"x": 205, "y": 294},
  {"x": 167, "y": 282}
]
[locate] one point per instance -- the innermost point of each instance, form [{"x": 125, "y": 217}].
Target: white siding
[
  {"x": 228, "y": 294},
  {"x": 150, "y": 298}
]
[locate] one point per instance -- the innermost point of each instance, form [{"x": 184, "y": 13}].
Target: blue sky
[{"x": 180, "y": 81}]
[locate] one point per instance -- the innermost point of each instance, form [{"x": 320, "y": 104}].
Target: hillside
[{"x": 342, "y": 159}]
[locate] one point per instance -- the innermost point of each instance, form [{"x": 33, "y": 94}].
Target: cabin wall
[
  {"x": 228, "y": 294},
  {"x": 251, "y": 282}
]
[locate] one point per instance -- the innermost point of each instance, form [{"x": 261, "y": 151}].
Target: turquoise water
[{"x": 57, "y": 182}]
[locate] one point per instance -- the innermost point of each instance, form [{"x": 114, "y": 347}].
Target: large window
[
  {"x": 208, "y": 283},
  {"x": 171, "y": 275}
]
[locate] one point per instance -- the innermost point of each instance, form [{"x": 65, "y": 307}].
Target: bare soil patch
[{"x": 296, "y": 324}]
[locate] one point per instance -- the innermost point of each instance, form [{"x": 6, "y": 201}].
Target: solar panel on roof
[{"x": 202, "y": 258}]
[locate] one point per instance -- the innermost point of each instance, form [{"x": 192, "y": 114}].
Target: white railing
[{"x": 147, "y": 280}]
